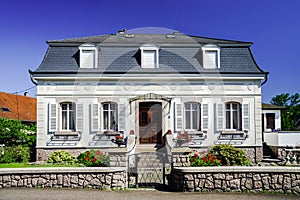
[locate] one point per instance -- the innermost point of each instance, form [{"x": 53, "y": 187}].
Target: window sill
[
  {"x": 232, "y": 132},
  {"x": 66, "y": 133}
]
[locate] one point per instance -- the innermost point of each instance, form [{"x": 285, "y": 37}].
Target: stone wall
[
  {"x": 106, "y": 178},
  {"x": 237, "y": 179}
]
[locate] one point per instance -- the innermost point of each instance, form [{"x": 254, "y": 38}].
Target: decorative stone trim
[{"x": 107, "y": 178}]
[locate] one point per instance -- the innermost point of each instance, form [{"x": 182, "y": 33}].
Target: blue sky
[{"x": 272, "y": 25}]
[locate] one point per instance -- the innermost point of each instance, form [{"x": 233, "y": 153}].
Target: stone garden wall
[
  {"x": 104, "y": 178},
  {"x": 237, "y": 179}
]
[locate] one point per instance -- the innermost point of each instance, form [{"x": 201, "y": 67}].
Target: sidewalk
[{"x": 139, "y": 194}]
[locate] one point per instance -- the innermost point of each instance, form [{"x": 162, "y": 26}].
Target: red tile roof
[{"x": 20, "y": 107}]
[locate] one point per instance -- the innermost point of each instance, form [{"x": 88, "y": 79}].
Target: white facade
[{"x": 98, "y": 89}]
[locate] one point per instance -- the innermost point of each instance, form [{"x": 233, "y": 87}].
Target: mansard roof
[{"x": 120, "y": 53}]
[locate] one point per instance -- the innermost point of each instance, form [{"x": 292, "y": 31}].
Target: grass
[{"x": 30, "y": 165}]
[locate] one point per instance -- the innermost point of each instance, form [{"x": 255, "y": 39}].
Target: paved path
[{"x": 89, "y": 194}]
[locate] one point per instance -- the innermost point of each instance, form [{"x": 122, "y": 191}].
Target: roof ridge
[
  {"x": 76, "y": 38},
  {"x": 212, "y": 38}
]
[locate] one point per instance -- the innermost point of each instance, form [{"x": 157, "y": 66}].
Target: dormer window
[
  {"x": 149, "y": 56},
  {"x": 88, "y": 56},
  {"x": 211, "y": 56}
]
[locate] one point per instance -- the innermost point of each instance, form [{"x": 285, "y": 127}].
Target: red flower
[
  {"x": 208, "y": 156},
  {"x": 204, "y": 158},
  {"x": 95, "y": 159},
  {"x": 196, "y": 156},
  {"x": 98, "y": 153},
  {"x": 118, "y": 137}
]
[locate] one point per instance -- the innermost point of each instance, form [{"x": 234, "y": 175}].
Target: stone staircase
[{"x": 268, "y": 155}]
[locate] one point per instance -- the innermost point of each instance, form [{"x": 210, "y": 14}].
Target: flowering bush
[
  {"x": 93, "y": 159},
  {"x": 204, "y": 159},
  {"x": 229, "y": 155},
  {"x": 60, "y": 157}
]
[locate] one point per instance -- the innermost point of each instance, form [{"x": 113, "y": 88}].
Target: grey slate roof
[{"x": 120, "y": 54}]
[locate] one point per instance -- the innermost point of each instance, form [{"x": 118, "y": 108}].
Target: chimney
[
  {"x": 122, "y": 31},
  {"x": 26, "y": 94}
]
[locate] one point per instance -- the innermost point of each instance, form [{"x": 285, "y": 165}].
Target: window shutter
[
  {"x": 204, "y": 116},
  {"x": 220, "y": 116},
  {"x": 52, "y": 111},
  {"x": 149, "y": 59},
  {"x": 88, "y": 59},
  {"x": 246, "y": 116},
  {"x": 95, "y": 117},
  {"x": 79, "y": 117},
  {"x": 122, "y": 117},
  {"x": 211, "y": 58},
  {"x": 179, "y": 117}
]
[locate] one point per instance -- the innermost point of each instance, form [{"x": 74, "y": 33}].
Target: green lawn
[{"x": 26, "y": 165}]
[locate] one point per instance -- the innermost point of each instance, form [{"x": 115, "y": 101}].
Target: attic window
[
  {"x": 5, "y": 109},
  {"x": 211, "y": 57},
  {"x": 88, "y": 56},
  {"x": 149, "y": 55}
]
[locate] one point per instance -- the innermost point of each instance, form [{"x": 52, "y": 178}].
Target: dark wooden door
[{"x": 150, "y": 122}]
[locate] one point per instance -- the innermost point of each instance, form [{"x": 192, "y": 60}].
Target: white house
[{"x": 93, "y": 88}]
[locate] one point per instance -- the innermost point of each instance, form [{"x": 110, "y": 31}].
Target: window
[
  {"x": 211, "y": 57},
  {"x": 88, "y": 56},
  {"x": 149, "y": 56},
  {"x": 110, "y": 116},
  {"x": 192, "y": 116},
  {"x": 68, "y": 116},
  {"x": 233, "y": 116},
  {"x": 4, "y": 109},
  {"x": 270, "y": 121}
]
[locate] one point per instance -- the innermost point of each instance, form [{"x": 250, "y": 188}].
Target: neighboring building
[
  {"x": 271, "y": 117},
  {"x": 91, "y": 88},
  {"x": 13, "y": 106}
]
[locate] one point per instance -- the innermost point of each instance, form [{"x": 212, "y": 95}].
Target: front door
[{"x": 150, "y": 122}]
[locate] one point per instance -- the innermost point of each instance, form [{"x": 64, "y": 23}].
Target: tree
[
  {"x": 291, "y": 114},
  {"x": 13, "y": 133}
]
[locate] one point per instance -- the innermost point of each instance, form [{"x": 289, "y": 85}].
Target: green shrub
[
  {"x": 93, "y": 159},
  {"x": 229, "y": 155},
  {"x": 204, "y": 159},
  {"x": 15, "y": 154},
  {"x": 60, "y": 157}
]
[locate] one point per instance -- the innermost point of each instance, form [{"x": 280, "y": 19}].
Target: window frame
[
  {"x": 68, "y": 111},
  {"x": 108, "y": 126},
  {"x": 198, "y": 114},
  {"x": 238, "y": 114}
]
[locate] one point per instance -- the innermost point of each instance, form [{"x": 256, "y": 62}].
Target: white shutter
[
  {"x": 178, "y": 117},
  {"x": 149, "y": 59},
  {"x": 52, "y": 120},
  {"x": 204, "y": 116},
  {"x": 246, "y": 116},
  {"x": 88, "y": 58},
  {"x": 122, "y": 117},
  {"x": 220, "y": 112},
  {"x": 210, "y": 60},
  {"x": 95, "y": 122},
  {"x": 79, "y": 117}
]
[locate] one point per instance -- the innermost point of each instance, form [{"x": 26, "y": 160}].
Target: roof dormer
[
  {"x": 88, "y": 56},
  {"x": 211, "y": 56},
  {"x": 149, "y": 56}
]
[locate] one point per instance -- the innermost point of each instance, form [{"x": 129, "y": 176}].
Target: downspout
[{"x": 266, "y": 78}]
